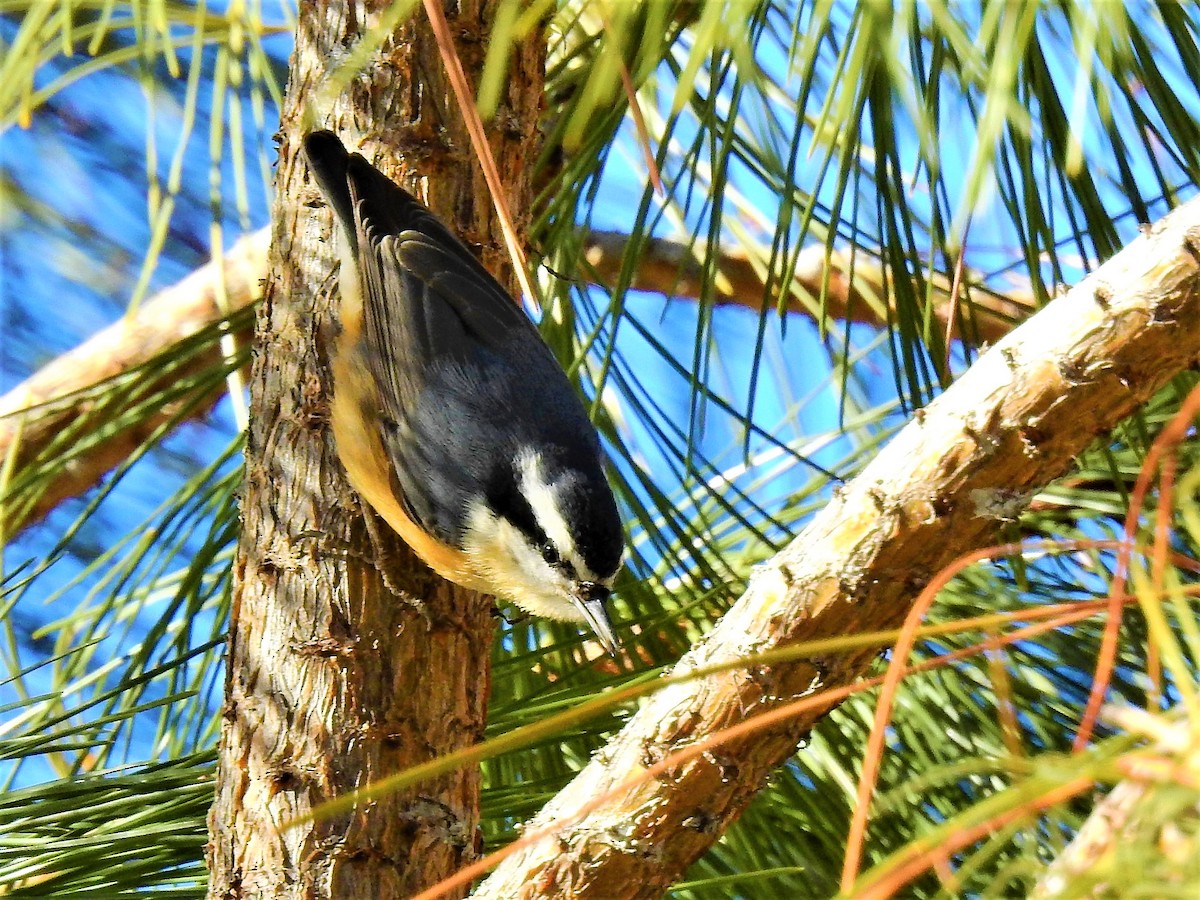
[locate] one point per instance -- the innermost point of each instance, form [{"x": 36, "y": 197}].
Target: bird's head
[{"x": 551, "y": 541}]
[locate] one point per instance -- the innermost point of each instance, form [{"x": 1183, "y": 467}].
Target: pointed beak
[{"x": 590, "y": 599}]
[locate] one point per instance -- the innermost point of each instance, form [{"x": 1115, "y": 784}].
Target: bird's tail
[
  {"x": 347, "y": 179},
  {"x": 330, "y": 162}
]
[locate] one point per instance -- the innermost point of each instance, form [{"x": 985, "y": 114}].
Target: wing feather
[
  {"x": 454, "y": 362},
  {"x": 439, "y": 337}
]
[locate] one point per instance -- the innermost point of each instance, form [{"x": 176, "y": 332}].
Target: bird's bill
[{"x": 590, "y": 600}]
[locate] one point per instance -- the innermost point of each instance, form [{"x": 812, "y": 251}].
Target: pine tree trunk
[{"x": 338, "y": 676}]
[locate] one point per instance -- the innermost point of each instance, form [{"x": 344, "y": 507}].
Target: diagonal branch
[
  {"x": 974, "y": 457},
  {"x": 59, "y": 396}
]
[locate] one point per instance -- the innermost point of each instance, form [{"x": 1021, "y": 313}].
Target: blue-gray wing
[
  {"x": 464, "y": 382},
  {"x": 458, "y": 365}
]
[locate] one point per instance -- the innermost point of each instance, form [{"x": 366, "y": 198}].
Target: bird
[{"x": 451, "y": 416}]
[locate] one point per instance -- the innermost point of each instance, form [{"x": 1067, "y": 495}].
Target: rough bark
[
  {"x": 348, "y": 659},
  {"x": 974, "y": 457}
]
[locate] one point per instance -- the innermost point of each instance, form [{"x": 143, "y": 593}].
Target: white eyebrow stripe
[{"x": 542, "y": 500}]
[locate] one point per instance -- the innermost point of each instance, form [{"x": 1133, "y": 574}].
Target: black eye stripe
[
  {"x": 554, "y": 559},
  {"x": 505, "y": 498}
]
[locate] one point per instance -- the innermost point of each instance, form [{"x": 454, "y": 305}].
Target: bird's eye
[{"x": 551, "y": 555}]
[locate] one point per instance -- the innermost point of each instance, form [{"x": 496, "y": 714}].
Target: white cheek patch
[
  {"x": 542, "y": 500},
  {"x": 514, "y": 570}
]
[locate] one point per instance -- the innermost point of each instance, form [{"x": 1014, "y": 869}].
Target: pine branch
[
  {"x": 1128, "y": 822},
  {"x": 851, "y": 293},
  {"x": 37, "y": 410},
  {"x": 59, "y": 395},
  {"x": 974, "y": 457}
]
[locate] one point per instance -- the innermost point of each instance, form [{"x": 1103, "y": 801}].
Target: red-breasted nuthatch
[{"x": 452, "y": 417}]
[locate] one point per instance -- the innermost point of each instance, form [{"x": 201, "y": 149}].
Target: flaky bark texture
[
  {"x": 1012, "y": 423},
  {"x": 337, "y": 676}
]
